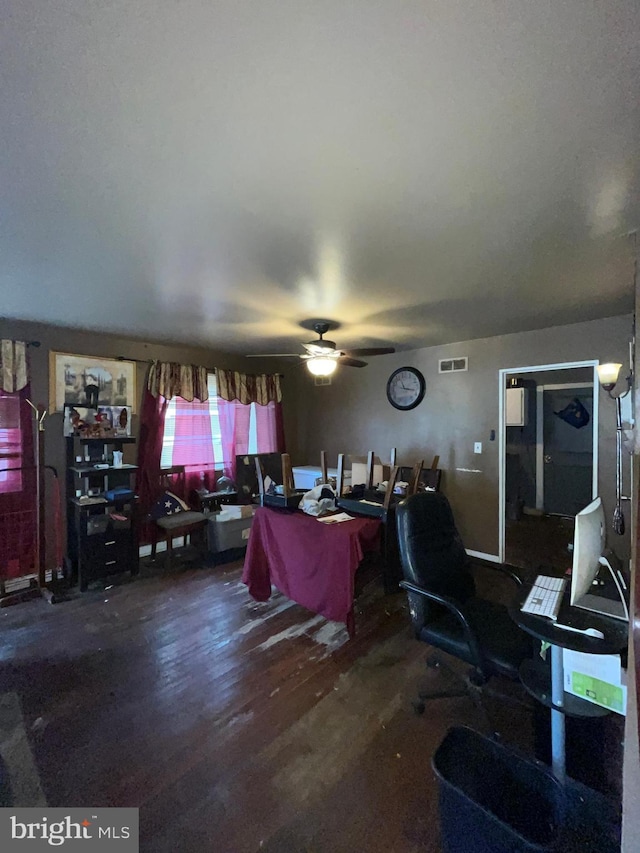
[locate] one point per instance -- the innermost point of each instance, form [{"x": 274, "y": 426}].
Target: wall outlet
[{"x": 477, "y": 447}]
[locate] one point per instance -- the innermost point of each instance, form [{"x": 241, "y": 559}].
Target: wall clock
[{"x": 405, "y": 388}]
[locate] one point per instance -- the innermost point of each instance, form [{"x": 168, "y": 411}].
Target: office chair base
[
  {"x": 419, "y": 705},
  {"x": 468, "y": 687},
  {"x": 472, "y": 685}
]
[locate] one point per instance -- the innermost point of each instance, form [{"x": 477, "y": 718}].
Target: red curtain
[
  {"x": 269, "y": 428},
  {"x": 193, "y": 445},
  {"x": 234, "y": 432},
  {"x": 152, "y": 418},
  {"x": 18, "y": 510}
]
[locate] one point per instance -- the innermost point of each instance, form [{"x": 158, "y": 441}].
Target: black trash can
[{"x": 492, "y": 800}]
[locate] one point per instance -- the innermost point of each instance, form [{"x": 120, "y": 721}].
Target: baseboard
[{"x": 490, "y": 558}]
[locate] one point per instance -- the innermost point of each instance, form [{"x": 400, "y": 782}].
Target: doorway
[
  {"x": 565, "y": 483},
  {"x": 548, "y": 459}
]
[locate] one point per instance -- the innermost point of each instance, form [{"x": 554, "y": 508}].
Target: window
[
  {"x": 203, "y": 437},
  {"x": 10, "y": 444}
]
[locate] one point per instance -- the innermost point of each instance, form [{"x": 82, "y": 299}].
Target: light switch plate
[{"x": 477, "y": 447}]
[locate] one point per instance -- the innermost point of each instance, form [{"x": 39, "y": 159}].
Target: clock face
[{"x": 405, "y": 388}]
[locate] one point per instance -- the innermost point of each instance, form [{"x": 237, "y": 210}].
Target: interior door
[{"x": 567, "y": 450}]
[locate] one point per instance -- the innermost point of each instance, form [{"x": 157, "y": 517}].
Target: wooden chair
[
  {"x": 420, "y": 478},
  {"x": 324, "y": 471},
  {"x": 414, "y": 479},
  {"x": 183, "y": 523},
  {"x": 290, "y": 496},
  {"x": 371, "y": 460}
]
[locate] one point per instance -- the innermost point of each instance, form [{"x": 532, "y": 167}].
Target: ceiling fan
[{"x": 322, "y": 357}]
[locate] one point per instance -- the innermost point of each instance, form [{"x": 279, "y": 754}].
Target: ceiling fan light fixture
[{"x": 321, "y": 365}]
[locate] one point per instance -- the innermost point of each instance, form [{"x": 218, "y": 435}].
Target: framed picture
[
  {"x": 103, "y": 422},
  {"x": 90, "y": 382}
]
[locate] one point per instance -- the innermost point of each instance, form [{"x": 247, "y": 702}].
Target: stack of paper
[{"x": 335, "y": 519}]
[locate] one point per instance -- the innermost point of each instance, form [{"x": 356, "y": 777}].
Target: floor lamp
[{"x": 608, "y": 377}]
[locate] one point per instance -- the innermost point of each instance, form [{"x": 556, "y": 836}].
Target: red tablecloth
[{"x": 310, "y": 562}]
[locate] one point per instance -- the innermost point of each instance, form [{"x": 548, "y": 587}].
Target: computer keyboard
[{"x": 545, "y": 597}]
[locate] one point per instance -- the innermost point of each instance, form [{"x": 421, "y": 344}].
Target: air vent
[
  {"x": 322, "y": 380},
  {"x": 453, "y": 365}
]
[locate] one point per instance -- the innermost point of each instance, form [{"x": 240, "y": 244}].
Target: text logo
[{"x": 38, "y": 829}]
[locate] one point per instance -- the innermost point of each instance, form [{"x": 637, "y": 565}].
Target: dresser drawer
[
  {"x": 103, "y": 548},
  {"x": 102, "y": 524}
]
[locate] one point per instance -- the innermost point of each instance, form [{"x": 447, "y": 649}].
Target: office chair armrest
[
  {"x": 452, "y": 607},
  {"x": 503, "y": 569}
]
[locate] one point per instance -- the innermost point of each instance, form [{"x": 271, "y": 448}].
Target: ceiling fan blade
[
  {"x": 351, "y": 362},
  {"x": 320, "y": 347},
  {"x": 310, "y": 355},
  {"x": 274, "y": 355},
  {"x": 370, "y": 351}
]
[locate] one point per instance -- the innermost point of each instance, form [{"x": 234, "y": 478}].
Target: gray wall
[{"x": 352, "y": 414}]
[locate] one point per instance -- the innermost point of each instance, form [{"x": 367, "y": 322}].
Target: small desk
[
  {"x": 312, "y": 563},
  {"x": 561, "y": 703}
]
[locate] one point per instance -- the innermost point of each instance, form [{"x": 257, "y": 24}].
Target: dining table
[{"x": 309, "y": 560}]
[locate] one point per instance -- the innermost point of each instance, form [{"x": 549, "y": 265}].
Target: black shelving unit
[{"x": 101, "y": 526}]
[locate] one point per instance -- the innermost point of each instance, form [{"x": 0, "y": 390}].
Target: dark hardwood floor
[{"x": 235, "y": 726}]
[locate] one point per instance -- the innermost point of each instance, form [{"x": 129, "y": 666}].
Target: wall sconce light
[
  {"x": 608, "y": 378},
  {"x": 322, "y": 365}
]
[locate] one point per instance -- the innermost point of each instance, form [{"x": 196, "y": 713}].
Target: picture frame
[
  {"x": 106, "y": 422},
  {"x": 90, "y": 382}
]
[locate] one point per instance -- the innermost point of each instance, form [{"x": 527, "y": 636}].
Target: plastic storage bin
[
  {"x": 493, "y": 800},
  {"x": 228, "y": 536}
]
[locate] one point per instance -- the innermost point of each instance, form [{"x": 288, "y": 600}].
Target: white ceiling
[{"x": 218, "y": 171}]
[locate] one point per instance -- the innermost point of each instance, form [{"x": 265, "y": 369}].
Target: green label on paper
[{"x": 601, "y": 692}]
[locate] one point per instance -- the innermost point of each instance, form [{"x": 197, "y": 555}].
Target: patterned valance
[
  {"x": 249, "y": 388},
  {"x": 169, "y": 379},
  {"x": 13, "y": 366}
]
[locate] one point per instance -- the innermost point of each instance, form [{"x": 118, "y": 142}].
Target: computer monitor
[
  {"x": 609, "y": 599},
  {"x": 588, "y": 546}
]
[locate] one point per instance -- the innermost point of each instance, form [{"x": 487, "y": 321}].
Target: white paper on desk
[{"x": 335, "y": 519}]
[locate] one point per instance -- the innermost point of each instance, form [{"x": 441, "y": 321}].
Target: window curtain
[
  {"x": 164, "y": 381},
  {"x": 236, "y": 392},
  {"x": 249, "y": 388},
  {"x": 14, "y": 374},
  {"x": 270, "y": 428},
  {"x": 235, "y": 420},
  {"x": 169, "y": 379},
  {"x": 193, "y": 444},
  {"x": 18, "y": 486},
  {"x": 234, "y": 431},
  {"x": 152, "y": 416}
]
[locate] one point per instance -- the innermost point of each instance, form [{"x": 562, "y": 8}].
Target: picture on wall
[
  {"x": 89, "y": 382},
  {"x": 103, "y": 422}
]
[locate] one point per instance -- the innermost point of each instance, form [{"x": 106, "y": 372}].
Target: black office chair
[{"x": 445, "y": 611}]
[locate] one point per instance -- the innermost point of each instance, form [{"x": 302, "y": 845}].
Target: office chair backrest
[{"x": 431, "y": 550}]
